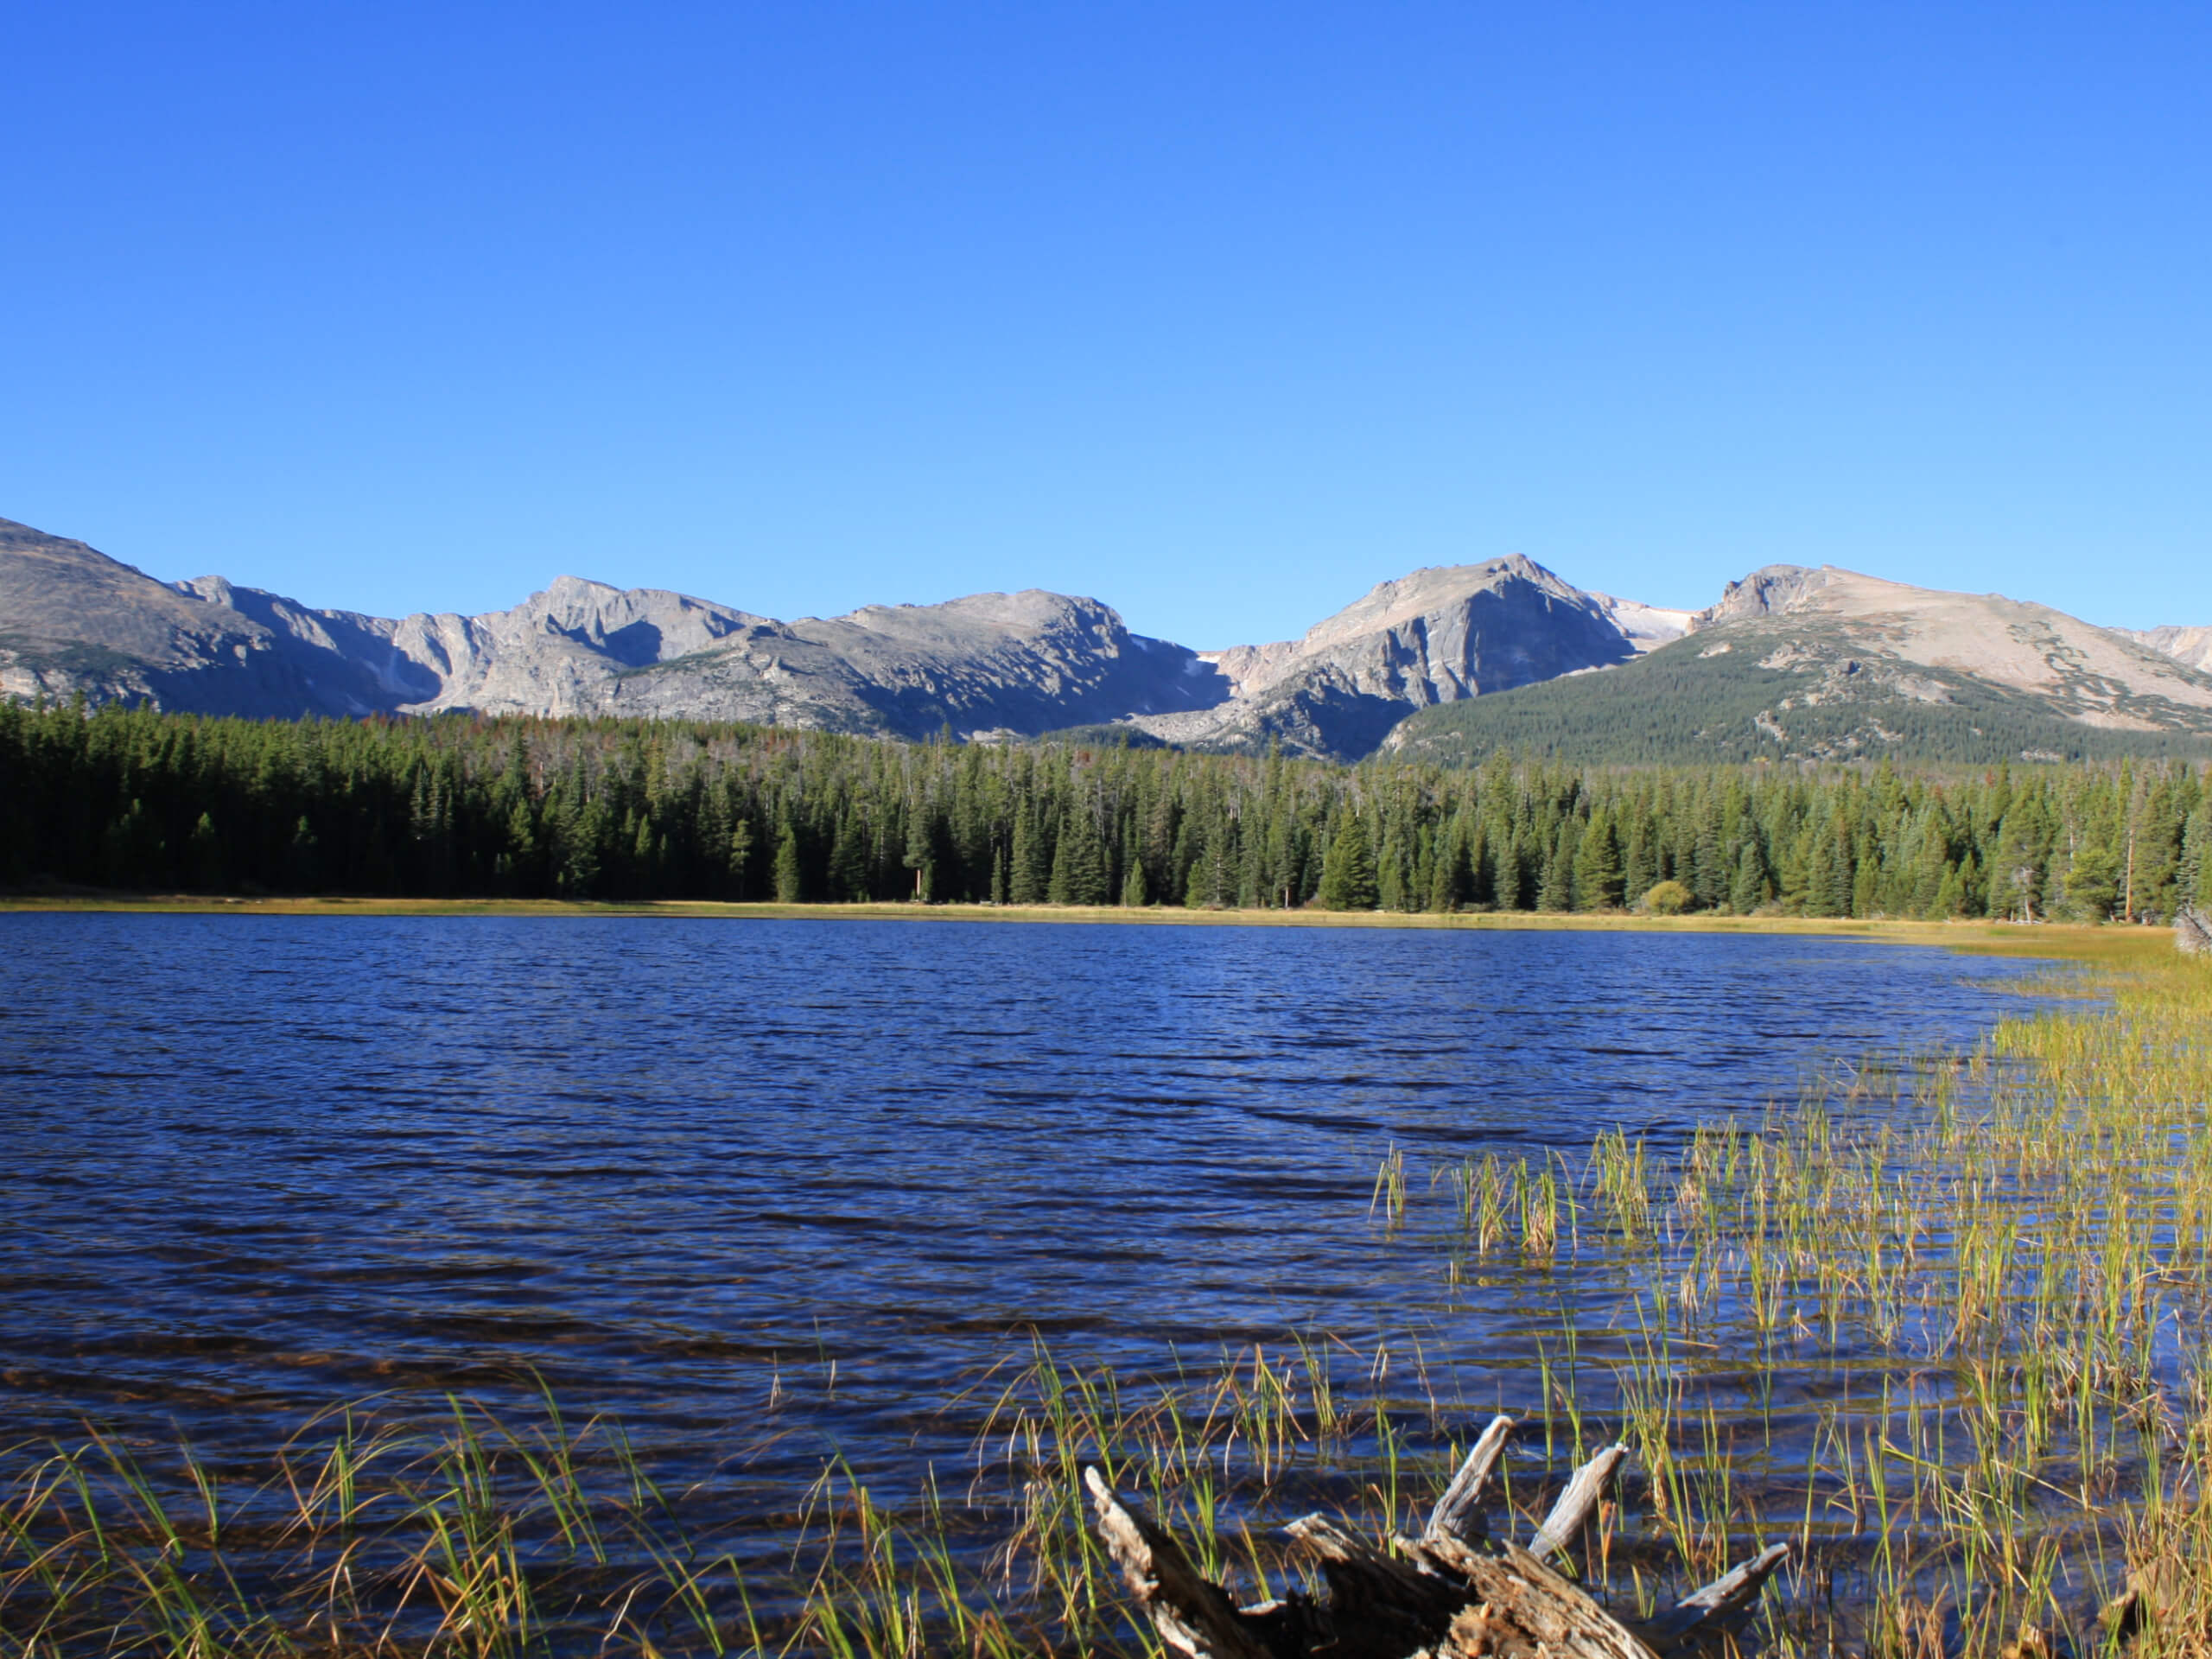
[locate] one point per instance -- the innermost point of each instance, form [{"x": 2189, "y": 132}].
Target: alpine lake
[{"x": 746, "y": 1269}]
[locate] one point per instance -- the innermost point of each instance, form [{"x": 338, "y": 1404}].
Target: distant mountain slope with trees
[
  {"x": 1690, "y": 704},
  {"x": 519, "y": 807},
  {"x": 1802, "y": 665}
]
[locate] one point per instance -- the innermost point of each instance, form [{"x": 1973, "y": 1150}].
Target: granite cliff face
[
  {"x": 1439, "y": 635},
  {"x": 1823, "y": 653},
  {"x": 1020, "y": 664},
  {"x": 72, "y": 619},
  {"x": 991, "y": 664}
]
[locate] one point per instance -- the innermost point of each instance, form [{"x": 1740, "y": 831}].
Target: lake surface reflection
[{"x": 681, "y": 1169}]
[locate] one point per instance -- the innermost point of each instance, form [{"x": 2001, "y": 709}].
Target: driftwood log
[{"x": 1450, "y": 1593}]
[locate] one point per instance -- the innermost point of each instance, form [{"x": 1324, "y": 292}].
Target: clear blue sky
[{"x": 1222, "y": 313}]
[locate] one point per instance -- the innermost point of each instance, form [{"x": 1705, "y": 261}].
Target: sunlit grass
[{"x": 1941, "y": 1327}]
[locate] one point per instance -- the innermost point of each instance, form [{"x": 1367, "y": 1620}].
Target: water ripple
[{"x": 253, "y": 1164}]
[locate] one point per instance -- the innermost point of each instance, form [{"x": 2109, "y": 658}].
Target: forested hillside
[
  {"x": 1787, "y": 691},
  {"x": 131, "y": 799}
]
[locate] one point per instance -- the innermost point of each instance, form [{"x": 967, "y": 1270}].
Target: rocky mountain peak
[
  {"x": 1013, "y": 663},
  {"x": 1016, "y": 663},
  {"x": 1768, "y": 591},
  {"x": 1428, "y": 592},
  {"x": 1033, "y": 613},
  {"x": 1441, "y": 634},
  {"x": 2190, "y": 647}
]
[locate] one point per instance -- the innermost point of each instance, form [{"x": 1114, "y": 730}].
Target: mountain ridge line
[{"x": 1397, "y": 668}]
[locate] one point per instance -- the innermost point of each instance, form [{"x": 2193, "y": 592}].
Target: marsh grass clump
[
  {"x": 1389, "y": 1197},
  {"x": 1938, "y": 1325},
  {"x": 359, "y": 1534}
]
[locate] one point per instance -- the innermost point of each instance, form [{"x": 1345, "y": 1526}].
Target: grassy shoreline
[{"x": 2079, "y": 941}]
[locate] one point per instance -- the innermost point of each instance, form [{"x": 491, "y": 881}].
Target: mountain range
[
  {"x": 1445, "y": 664},
  {"x": 1829, "y": 665}
]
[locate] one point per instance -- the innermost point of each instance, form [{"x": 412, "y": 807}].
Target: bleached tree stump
[{"x": 1448, "y": 1594}]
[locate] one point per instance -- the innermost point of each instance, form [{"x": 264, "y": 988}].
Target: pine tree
[
  {"x": 2093, "y": 884},
  {"x": 1056, "y": 885},
  {"x": 2016, "y": 882},
  {"x": 1639, "y": 872},
  {"x": 644, "y": 856},
  {"x": 204, "y": 854},
  {"x": 1599, "y": 879},
  {"x": 129, "y": 850},
  {"x": 916, "y": 856},
  {"x": 738, "y": 853},
  {"x": 1391, "y": 883},
  {"x": 1134, "y": 896},
  {"x": 303, "y": 868},
  {"x": 1028, "y": 878},
  {"x": 1447, "y": 879},
  {"x": 1865, "y": 882},
  {"x": 790, "y": 889},
  {"x": 2194, "y": 882},
  {"x": 1707, "y": 860},
  {"x": 1348, "y": 878},
  {"x": 1556, "y": 891},
  {"x": 1970, "y": 899},
  {"x": 847, "y": 863},
  {"x": 1202, "y": 882},
  {"x": 520, "y": 836},
  {"x": 582, "y": 808},
  {"x": 1078, "y": 860}
]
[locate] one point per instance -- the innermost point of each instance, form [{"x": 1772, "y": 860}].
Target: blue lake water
[{"x": 251, "y": 1165}]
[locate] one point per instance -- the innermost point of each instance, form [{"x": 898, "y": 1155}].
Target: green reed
[{"x": 2012, "y": 1254}]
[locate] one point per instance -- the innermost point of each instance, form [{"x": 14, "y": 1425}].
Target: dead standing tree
[{"x": 1449, "y": 1594}]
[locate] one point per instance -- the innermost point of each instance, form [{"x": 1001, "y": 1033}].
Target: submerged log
[{"x": 1448, "y": 1594}]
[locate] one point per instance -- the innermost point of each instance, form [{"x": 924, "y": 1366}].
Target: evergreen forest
[{"x": 459, "y": 806}]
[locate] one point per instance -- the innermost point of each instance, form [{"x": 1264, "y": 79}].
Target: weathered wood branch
[
  {"x": 1193, "y": 1615},
  {"x": 1578, "y": 1504},
  {"x": 1728, "y": 1593},
  {"x": 1444, "y": 1595},
  {"x": 1458, "y": 1514}
]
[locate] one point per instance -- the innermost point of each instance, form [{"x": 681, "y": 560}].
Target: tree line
[{"x": 460, "y": 806}]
